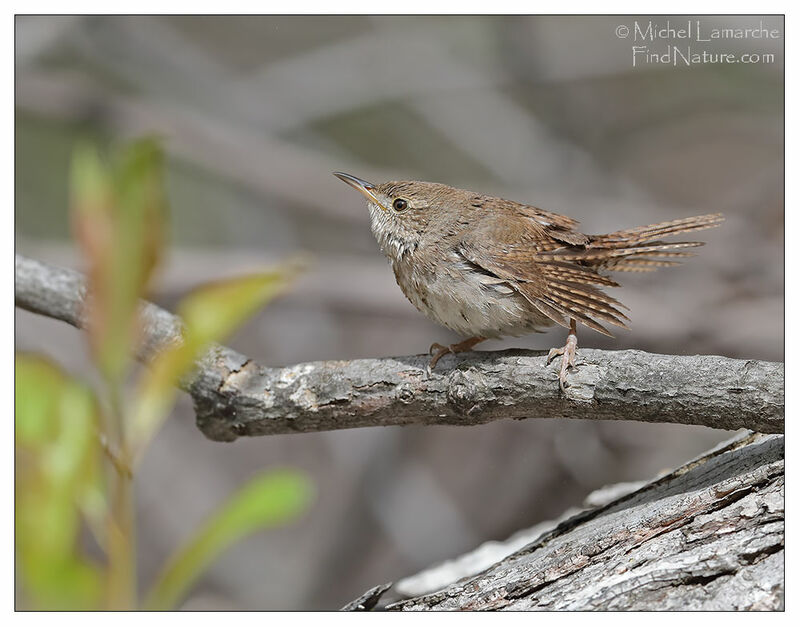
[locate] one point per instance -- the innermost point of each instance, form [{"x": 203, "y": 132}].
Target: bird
[{"x": 487, "y": 267}]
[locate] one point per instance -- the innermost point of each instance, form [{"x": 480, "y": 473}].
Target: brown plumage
[
  {"x": 556, "y": 268},
  {"x": 489, "y": 267}
]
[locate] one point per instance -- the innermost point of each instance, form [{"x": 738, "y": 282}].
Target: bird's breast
[{"x": 456, "y": 295}]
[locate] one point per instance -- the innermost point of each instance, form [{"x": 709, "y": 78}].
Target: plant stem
[{"x": 121, "y": 527}]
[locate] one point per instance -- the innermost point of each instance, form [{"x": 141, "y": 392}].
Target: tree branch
[
  {"x": 234, "y": 396},
  {"x": 706, "y": 536}
]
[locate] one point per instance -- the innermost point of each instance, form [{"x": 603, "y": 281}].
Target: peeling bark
[{"x": 707, "y": 536}]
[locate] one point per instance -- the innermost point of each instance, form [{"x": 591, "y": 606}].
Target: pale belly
[{"x": 471, "y": 304}]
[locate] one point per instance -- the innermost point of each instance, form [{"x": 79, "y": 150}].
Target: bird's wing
[
  {"x": 521, "y": 254},
  {"x": 546, "y": 219}
]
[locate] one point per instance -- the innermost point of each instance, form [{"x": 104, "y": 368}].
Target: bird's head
[{"x": 402, "y": 212}]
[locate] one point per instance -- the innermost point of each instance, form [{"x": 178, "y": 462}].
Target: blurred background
[{"x": 256, "y": 112}]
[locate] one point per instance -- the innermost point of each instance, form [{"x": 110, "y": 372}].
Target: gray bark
[
  {"x": 368, "y": 600},
  {"x": 234, "y": 396},
  {"x": 707, "y": 536}
]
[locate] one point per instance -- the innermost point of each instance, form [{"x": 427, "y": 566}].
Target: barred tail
[
  {"x": 644, "y": 234},
  {"x": 638, "y": 249}
]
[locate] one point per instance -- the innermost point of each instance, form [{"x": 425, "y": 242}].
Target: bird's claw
[
  {"x": 554, "y": 352},
  {"x": 441, "y": 351},
  {"x": 567, "y": 354}
]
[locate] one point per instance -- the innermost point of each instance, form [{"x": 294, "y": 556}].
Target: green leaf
[
  {"x": 56, "y": 419},
  {"x": 210, "y": 314},
  {"x": 58, "y": 468},
  {"x": 37, "y": 386},
  {"x": 63, "y": 585},
  {"x": 268, "y": 500},
  {"x": 214, "y": 311},
  {"x": 119, "y": 218}
]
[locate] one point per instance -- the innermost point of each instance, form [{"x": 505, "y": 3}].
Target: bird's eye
[{"x": 399, "y": 204}]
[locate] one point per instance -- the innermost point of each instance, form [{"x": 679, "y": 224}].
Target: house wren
[{"x": 487, "y": 267}]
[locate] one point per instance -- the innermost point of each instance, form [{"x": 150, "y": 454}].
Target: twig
[{"x": 234, "y": 396}]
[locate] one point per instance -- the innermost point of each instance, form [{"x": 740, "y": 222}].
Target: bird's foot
[
  {"x": 567, "y": 357},
  {"x": 438, "y": 350}
]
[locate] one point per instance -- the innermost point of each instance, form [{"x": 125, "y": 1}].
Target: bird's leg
[
  {"x": 567, "y": 354},
  {"x": 441, "y": 351}
]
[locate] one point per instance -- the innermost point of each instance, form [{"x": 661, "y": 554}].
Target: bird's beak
[{"x": 360, "y": 185}]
